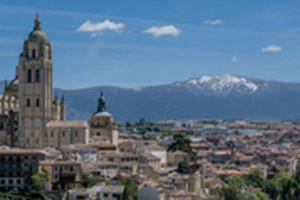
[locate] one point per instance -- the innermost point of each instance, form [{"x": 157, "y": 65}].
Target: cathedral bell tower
[{"x": 35, "y": 89}]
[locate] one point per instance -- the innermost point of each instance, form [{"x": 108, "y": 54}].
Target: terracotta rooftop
[
  {"x": 150, "y": 156},
  {"x": 64, "y": 123},
  {"x": 59, "y": 162},
  {"x": 20, "y": 151}
]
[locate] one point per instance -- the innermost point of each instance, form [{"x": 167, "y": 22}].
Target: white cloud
[
  {"x": 213, "y": 22},
  {"x": 163, "y": 30},
  {"x": 234, "y": 59},
  {"x": 98, "y": 28},
  {"x": 271, "y": 48}
]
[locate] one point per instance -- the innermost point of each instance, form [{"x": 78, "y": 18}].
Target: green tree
[
  {"x": 233, "y": 189},
  {"x": 282, "y": 187},
  {"x": 260, "y": 195},
  {"x": 40, "y": 179},
  {"x": 256, "y": 178},
  {"x": 235, "y": 181},
  {"x": 130, "y": 189},
  {"x": 297, "y": 174},
  {"x": 183, "y": 167},
  {"x": 85, "y": 178},
  {"x": 128, "y": 125},
  {"x": 270, "y": 188},
  {"x": 181, "y": 143},
  {"x": 156, "y": 129}
]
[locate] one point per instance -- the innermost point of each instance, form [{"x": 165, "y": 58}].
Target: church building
[{"x": 29, "y": 116}]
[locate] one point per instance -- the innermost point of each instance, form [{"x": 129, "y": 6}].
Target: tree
[
  {"x": 40, "y": 179},
  {"x": 183, "y": 167},
  {"x": 297, "y": 174},
  {"x": 128, "y": 124},
  {"x": 282, "y": 187},
  {"x": 233, "y": 190},
  {"x": 85, "y": 178},
  {"x": 130, "y": 190},
  {"x": 256, "y": 178},
  {"x": 235, "y": 181},
  {"x": 181, "y": 143},
  {"x": 270, "y": 188},
  {"x": 156, "y": 129}
]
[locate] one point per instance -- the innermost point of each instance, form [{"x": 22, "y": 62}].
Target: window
[
  {"x": 63, "y": 134},
  {"x": 105, "y": 195},
  {"x": 29, "y": 76},
  {"x": 37, "y": 76},
  {"x": 33, "y": 53},
  {"x": 37, "y": 102},
  {"x": 37, "y": 140},
  {"x": 27, "y": 143},
  {"x": 28, "y": 102},
  {"x": 18, "y": 181},
  {"x": 98, "y": 134},
  {"x": 52, "y": 133},
  {"x": 76, "y": 133}
]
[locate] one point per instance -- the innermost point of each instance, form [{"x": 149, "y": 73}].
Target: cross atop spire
[{"x": 37, "y": 22}]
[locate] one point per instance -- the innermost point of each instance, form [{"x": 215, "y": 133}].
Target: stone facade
[{"x": 29, "y": 116}]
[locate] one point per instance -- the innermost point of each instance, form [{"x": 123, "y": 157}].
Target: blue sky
[{"x": 156, "y": 41}]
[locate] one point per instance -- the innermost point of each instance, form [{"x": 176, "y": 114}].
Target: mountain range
[{"x": 227, "y": 96}]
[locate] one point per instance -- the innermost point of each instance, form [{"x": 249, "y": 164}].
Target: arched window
[
  {"x": 38, "y": 102},
  {"x": 37, "y": 76},
  {"x": 29, "y": 76},
  {"x": 28, "y": 102},
  {"x": 33, "y": 53}
]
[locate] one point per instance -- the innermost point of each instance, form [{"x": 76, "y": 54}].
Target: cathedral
[{"x": 31, "y": 118}]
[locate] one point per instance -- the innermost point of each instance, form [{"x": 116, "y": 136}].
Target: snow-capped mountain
[
  {"x": 226, "y": 83},
  {"x": 228, "y": 96},
  {"x": 223, "y": 85}
]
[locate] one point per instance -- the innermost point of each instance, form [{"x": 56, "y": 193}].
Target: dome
[
  {"x": 102, "y": 114},
  {"x": 14, "y": 82},
  {"x": 37, "y": 32}
]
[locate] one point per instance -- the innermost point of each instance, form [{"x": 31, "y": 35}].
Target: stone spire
[
  {"x": 62, "y": 98},
  {"x": 55, "y": 98},
  {"x": 37, "y": 22},
  {"x": 101, "y": 103}
]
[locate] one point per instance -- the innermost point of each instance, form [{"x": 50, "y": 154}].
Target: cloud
[
  {"x": 234, "y": 59},
  {"x": 163, "y": 30},
  {"x": 213, "y": 22},
  {"x": 98, "y": 28},
  {"x": 271, "y": 48}
]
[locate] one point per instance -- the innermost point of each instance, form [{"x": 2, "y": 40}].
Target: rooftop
[{"x": 64, "y": 123}]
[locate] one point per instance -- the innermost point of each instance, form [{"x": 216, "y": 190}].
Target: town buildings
[{"x": 16, "y": 167}]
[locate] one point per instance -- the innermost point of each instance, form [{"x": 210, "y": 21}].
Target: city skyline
[{"x": 143, "y": 44}]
